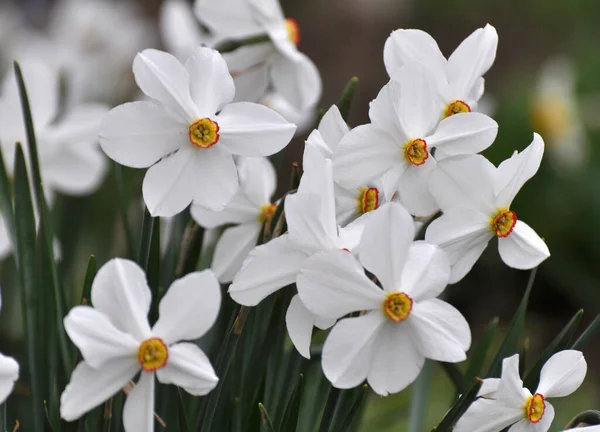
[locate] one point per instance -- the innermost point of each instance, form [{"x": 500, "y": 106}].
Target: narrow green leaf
[
  {"x": 560, "y": 342},
  {"x": 123, "y": 201},
  {"x": 510, "y": 343},
  {"x": 295, "y": 176},
  {"x": 354, "y": 410},
  {"x": 586, "y": 418},
  {"x": 345, "y": 101},
  {"x": 90, "y": 274},
  {"x": 143, "y": 256},
  {"x": 332, "y": 399},
  {"x": 523, "y": 355},
  {"x": 233, "y": 44},
  {"x": 265, "y": 422},
  {"x": 587, "y": 334},
  {"x": 459, "y": 408},
  {"x": 153, "y": 270},
  {"x": 292, "y": 411},
  {"x": 419, "y": 398},
  {"x": 480, "y": 351},
  {"x": 455, "y": 375},
  {"x": 191, "y": 247},
  {"x": 6, "y": 204}
]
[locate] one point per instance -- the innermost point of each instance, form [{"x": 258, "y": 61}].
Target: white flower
[
  {"x": 397, "y": 326},
  {"x": 116, "y": 341},
  {"x": 403, "y": 131},
  {"x": 475, "y": 197},
  {"x": 303, "y": 119},
  {"x": 508, "y": 403},
  {"x": 459, "y": 79},
  {"x": 191, "y": 130},
  {"x": 248, "y": 209},
  {"x": 9, "y": 373},
  {"x": 310, "y": 216},
  {"x": 278, "y": 62}
]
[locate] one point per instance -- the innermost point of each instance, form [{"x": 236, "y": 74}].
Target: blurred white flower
[
  {"x": 303, "y": 119},
  {"x": 277, "y": 63},
  {"x": 475, "y": 197},
  {"x": 507, "y": 403},
  {"x": 9, "y": 373},
  {"x": 188, "y": 147},
  {"x": 116, "y": 341},
  {"x": 248, "y": 210},
  {"x": 397, "y": 327},
  {"x": 460, "y": 78},
  {"x": 403, "y": 131}
]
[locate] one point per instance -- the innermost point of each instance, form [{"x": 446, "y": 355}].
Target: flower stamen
[
  {"x": 503, "y": 223},
  {"x": 415, "y": 151},
  {"x": 153, "y": 354},
  {"x": 368, "y": 199},
  {"x": 534, "y": 408},
  {"x": 266, "y": 212},
  {"x": 204, "y": 133},
  {"x": 397, "y": 306},
  {"x": 456, "y": 107},
  {"x": 293, "y": 30}
]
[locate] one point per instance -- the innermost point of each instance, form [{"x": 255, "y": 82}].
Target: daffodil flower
[
  {"x": 190, "y": 132},
  {"x": 398, "y": 142},
  {"x": 475, "y": 197},
  {"x": 116, "y": 341},
  {"x": 459, "y": 79},
  {"x": 9, "y": 373},
  {"x": 396, "y": 327},
  {"x": 506, "y": 403},
  {"x": 248, "y": 210},
  {"x": 278, "y": 62}
]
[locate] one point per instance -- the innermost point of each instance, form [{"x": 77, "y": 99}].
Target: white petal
[
  {"x": 464, "y": 134},
  {"x": 510, "y": 389},
  {"x": 90, "y": 387},
  {"x": 523, "y": 248},
  {"x": 215, "y": 170},
  {"x": 306, "y": 222},
  {"x": 138, "y": 134},
  {"x": 562, "y": 374},
  {"x": 395, "y": 362},
  {"x": 471, "y": 59},
  {"x": 239, "y": 211},
  {"x": 258, "y": 179},
  {"x": 5, "y": 243},
  {"x": 439, "y": 331},
  {"x": 233, "y": 18},
  {"x": 248, "y": 58},
  {"x": 315, "y": 140},
  {"x": 211, "y": 84},
  {"x": 232, "y": 249},
  {"x": 333, "y": 127},
  {"x": 414, "y": 189},
  {"x": 189, "y": 308},
  {"x": 163, "y": 78},
  {"x": 489, "y": 388},
  {"x": 332, "y": 284},
  {"x": 267, "y": 12},
  {"x": 180, "y": 32},
  {"x": 350, "y": 235},
  {"x": 9, "y": 373},
  {"x": 347, "y": 353},
  {"x": 385, "y": 243},
  {"x": 466, "y": 182},
  {"x": 385, "y": 112},
  {"x": 120, "y": 291},
  {"x": 249, "y": 129},
  {"x": 426, "y": 271},
  {"x": 300, "y": 322},
  {"x": 138, "y": 412},
  {"x": 251, "y": 84},
  {"x": 487, "y": 415},
  {"x": 97, "y": 338},
  {"x": 366, "y": 153},
  {"x": 515, "y": 171},
  {"x": 543, "y": 425},
  {"x": 297, "y": 80},
  {"x": 268, "y": 268},
  {"x": 188, "y": 368}
]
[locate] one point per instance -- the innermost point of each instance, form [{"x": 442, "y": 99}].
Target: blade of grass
[
  {"x": 265, "y": 422},
  {"x": 354, "y": 410},
  {"x": 587, "y": 334},
  {"x": 479, "y": 353},
  {"x": 123, "y": 201},
  {"x": 455, "y": 375},
  {"x": 6, "y": 205},
  {"x": 345, "y": 101},
  {"x": 459, "y": 408},
  {"x": 292, "y": 411},
  {"x": 419, "y": 398},
  {"x": 332, "y": 399},
  {"x": 586, "y": 418}
]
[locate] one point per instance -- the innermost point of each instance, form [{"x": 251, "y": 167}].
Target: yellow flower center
[
  {"x": 503, "y": 223},
  {"x": 456, "y": 107},
  {"x": 153, "y": 354},
  {"x": 293, "y": 29},
  {"x": 266, "y": 212},
  {"x": 204, "y": 133},
  {"x": 551, "y": 117},
  {"x": 368, "y": 199},
  {"x": 415, "y": 151},
  {"x": 397, "y": 306},
  {"x": 534, "y": 408}
]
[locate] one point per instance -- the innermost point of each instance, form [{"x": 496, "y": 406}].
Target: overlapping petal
[
  {"x": 510, "y": 388},
  {"x": 232, "y": 19},
  {"x": 332, "y": 127},
  {"x": 414, "y": 189},
  {"x": 258, "y": 179},
  {"x": 426, "y": 271},
  {"x": 300, "y": 322},
  {"x": 464, "y": 134},
  {"x": 487, "y": 415},
  {"x": 297, "y": 79},
  {"x": 239, "y": 211},
  {"x": 231, "y": 250},
  {"x": 385, "y": 112},
  {"x": 306, "y": 224},
  {"x": 138, "y": 412},
  {"x": 418, "y": 107},
  {"x": 188, "y": 368},
  {"x": 562, "y": 374},
  {"x": 523, "y": 248}
]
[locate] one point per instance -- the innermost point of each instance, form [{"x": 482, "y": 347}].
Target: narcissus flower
[
  {"x": 507, "y": 403},
  {"x": 460, "y": 78},
  {"x": 190, "y": 132},
  {"x": 9, "y": 373},
  {"x": 248, "y": 210},
  {"x": 398, "y": 142},
  {"x": 116, "y": 341},
  {"x": 475, "y": 197},
  {"x": 395, "y": 328},
  {"x": 277, "y": 62}
]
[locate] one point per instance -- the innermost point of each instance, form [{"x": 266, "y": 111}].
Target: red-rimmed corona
[
  {"x": 368, "y": 199},
  {"x": 535, "y": 407},
  {"x": 397, "y": 306},
  {"x": 293, "y": 30},
  {"x": 415, "y": 151},
  {"x": 456, "y": 107},
  {"x": 153, "y": 354},
  {"x": 204, "y": 133},
  {"x": 504, "y": 222}
]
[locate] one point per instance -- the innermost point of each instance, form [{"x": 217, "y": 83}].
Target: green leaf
[
  {"x": 6, "y": 204},
  {"x": 480, "y": 351},
  {"x": 345, "y": 101},
  {"x": 233, "y": 44},
  {"x": 587, "y": 334},
  {"x": 560, "y": 342},
  {"x": 191, "y": 247},
  {"x": 123, "y": 201},
  {"x": 265, "y": 422},
  {"x": 459, "y": 408},
  {"x": 292, "y": 411},
  {"x": 455, "y": 375},
  {"x": 153, "y": 270},
  {"x": 332, "y": 399},
  {"x": 360, "y": 395},
  {"x": 419, "y": 398},
  {"x": 143, "y": 257},
  {"x": 510, "y": 344},
  {"x": 586, "y": 418},
  {"x": 90, "y": 274}
]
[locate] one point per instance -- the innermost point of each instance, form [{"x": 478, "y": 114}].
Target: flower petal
[
  {"x": 90, "y": 387},
  {"x": 163, "y": 78},
  {"x": 464, "y": 134},
  {"x": 138, "y": 412},
  {"x": 9, "y": 373},
  {"x": 120, "y": 291},
  {"x": 268, "y": 268},
  {"x": 258, "y": 179},
  {"x": 439, "y": 331},
  {"x": 395, "y": 362},
  {"x": 523, "y": 248},
  {"x": 385, "y": 112},
  {"x": 249, "y": 129},
  {"x": 332, "y": 284},
  {"x": 97, "y": 338},
  {"x": 232, "y": 249},
  {"x": 215, "y": 170},
  {"x": 562, "y": 374},
  {"x": 510, "y": 389},
  {"x": 414, "y": 189},
  {"x": 488, "y": 415},
  {"x": 543, "y": 425},
  {"x": 233, "y": 19},
  {"x": 211, "y": 84},
  {"x": 348, "y": 350},
  {"x": 251, "y": 84},
  {"x": 489, "y": 388},
  {"x": 333, "y": 127},
  {"x": 426, "y": 271},
  {"x": 189, "y": 308},
  {"x": 188, "y": 368},
  {"x": 297, "y": 79},
  {"x": 239, "y": 211},
  {"x": 180, "y": 32},
  {"x": 306, "y": 222},
  {"x": 515, "y": 171},
  {"x": 138, "y": 134},
  {"x": 300, "y": 322}
]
